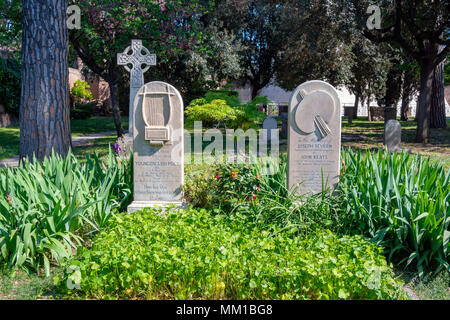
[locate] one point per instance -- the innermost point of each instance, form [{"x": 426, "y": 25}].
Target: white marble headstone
[
  {"x": 158, "y": 143},
  {"x": 314, "y": 138}
]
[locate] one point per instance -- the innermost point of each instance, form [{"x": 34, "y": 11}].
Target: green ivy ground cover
[{"x": 193, "y": 255}]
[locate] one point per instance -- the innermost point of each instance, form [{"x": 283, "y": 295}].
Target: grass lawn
[
  {"x": 372, "y": 132},
  {"x": 18, "y": 285},
  {"x": 10, "y": 137},
  {"x": 98, "y": 145}
]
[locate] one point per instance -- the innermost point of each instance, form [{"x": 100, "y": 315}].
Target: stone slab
[
  {"x": 314, "y": 137},
  {"x": 158, "y": 162}
]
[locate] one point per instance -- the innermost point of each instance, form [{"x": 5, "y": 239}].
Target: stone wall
[{"x": 7, "y": 119}]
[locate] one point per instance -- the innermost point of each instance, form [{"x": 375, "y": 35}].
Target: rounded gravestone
[
  {"x": 314, "y": 138},
  {"x": 158, "y": 146}
]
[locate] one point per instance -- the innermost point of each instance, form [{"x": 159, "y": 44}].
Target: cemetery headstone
[
  {"x": 269, "y": 126},
  {"x": 158, "y": 144},
  {"x": 393, "y": 135},
  {"x": 136, "y": 59},
  {"x": 314, "y": 138}
]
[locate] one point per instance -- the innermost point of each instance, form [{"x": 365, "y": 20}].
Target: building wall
[{"x": 282, "y": 97}]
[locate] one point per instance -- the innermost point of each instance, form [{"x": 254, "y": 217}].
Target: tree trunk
[
  {"x": 44, "y": 105},
  {"x": 355, "y": 108},
  {"x": 424, "y": 107},
  {"x": 255, "y": 89},
  {"x": 114, "y": 92},
  {"x": 407, "y": 94},
  {"x": 393, "y": 86},
  {"x": 404, "y": 112},
  {"x": 437, "y": 116}
]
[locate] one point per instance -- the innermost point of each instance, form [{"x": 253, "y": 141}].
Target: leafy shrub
[
  {"x": 402, "y": 202},
  {"x": 224, "y": 107},
  {"x": 193, "y": 255},
  {"x": 212, "y": 113},
  {"x": 236, "y": 184},
  {"x": 258, "y": 194},
  {"x": 231, "y": 97},
  {"x": 82, "y": 111},
  {"x": 45, "y": 207},
  {"x": 199, "y": 185},
  {"x": 81, "y": 92},
  {"x": 10, "y": 84}
]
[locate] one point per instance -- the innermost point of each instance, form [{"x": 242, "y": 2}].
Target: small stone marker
[
  {"x": 135, "y": 56},
  {"x": 314, "y": 137},
  {"x": 393, "y": 135},
  {"x": 269, "y": 126},
  {"x": 158, "y": 146}
]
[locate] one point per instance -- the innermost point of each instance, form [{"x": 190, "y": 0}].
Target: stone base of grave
[{"x": 139, "y": 205}]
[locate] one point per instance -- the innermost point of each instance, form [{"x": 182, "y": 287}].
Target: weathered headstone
[
  {"x": 393, "y": 135},
  {"x": 133, "y": 59},
  {"x": 158, "y": 145},
  {"x": 269, "y": 126},
  {"x": 314, "y": 138}
]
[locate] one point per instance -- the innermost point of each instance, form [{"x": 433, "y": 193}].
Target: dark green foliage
[
  {"x": 190, "y": 254},
  {"x": 82, "y": 111},
  {"x": 258, "y": 195},
  {"x": 46, "y": 207},
  {"x": 401, "y": 202},
  {"x": 10, "y": 84}
]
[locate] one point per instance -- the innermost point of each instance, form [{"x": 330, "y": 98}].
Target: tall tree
[
  {"x": 409, "y": 89},
  {"x": 313, "y": 46},
  {"x": 418, "y": 26},
  {"x": 256, "y": 24},
  {"x": 44, "y": 106},
  {"x": 438, "y": 116},
  {"x": 168, "y": 29},
  {"x": 369, "y": 68}
]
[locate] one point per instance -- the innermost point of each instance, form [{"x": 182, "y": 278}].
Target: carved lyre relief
[
  {"x": 157, "y": 111},
  {"x": 314, "y": 112}
]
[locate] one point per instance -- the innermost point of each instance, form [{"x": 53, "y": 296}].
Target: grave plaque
[
  {"x": 158, "y": 146},
  {"x": 393, "y": 135},
  {"x": 314, "y": 138}
]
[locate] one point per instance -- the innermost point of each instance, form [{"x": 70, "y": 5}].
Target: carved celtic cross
[{"x": 136, "y": 55}]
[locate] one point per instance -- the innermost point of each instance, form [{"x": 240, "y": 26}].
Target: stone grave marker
[
  {"x": 133, "y": 59},
  {"x": 393, "y": 135},
  {"x": 314, "y": 138},
  {"x": 158, "y": 146},
  {"x": 269, "y": 126}
]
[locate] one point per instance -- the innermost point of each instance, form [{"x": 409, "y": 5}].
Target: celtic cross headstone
[{"x": 136, "y": 59}]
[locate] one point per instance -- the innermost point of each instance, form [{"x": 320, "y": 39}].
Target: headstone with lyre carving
[{"x": 158, "y": 143}]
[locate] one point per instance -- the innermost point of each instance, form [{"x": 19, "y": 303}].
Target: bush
[
  {"x": 81, "y": 92},
  {"x": 193, "y": 255},
  {"x": 199, "y": 184},
  {"x": 82, "y": 111},
  {"x": 212, "y": 113},
  {"x": 402, "y": 202},
  {"x": 46, "y": 207},
  {"x": 10, "y": 78},
  {"x": 224, "y": 107},
  {"x": 231, "y": 97},
  {"x": 258, "y": 195}
]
